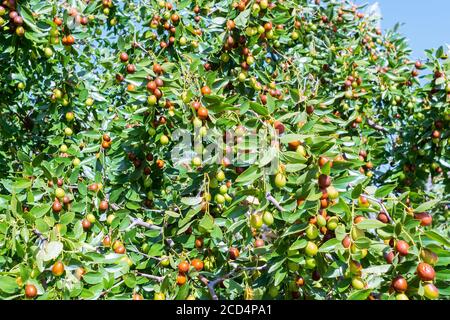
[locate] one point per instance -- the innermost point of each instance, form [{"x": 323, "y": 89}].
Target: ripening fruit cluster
[{"x": 16, "y": 23}]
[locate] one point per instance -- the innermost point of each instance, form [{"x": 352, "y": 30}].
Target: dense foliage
[{"x": 248, "y": 149}]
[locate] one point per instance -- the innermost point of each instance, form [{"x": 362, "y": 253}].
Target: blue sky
[{"x": 427, "y": 22}]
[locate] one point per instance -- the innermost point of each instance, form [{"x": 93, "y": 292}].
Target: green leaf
[
  {"x": 40, "y": 210},
  {"x": 191, "y": 201},
  {"x": 93, "y": 277},
  {"x": 377, "y": 270},
  {"x": 329, "y": 245},
  {"x": 340, "y": 207},
  {"x": 443, "y": 275},
  {"x": 385, "y": 190},
  {"x": 8, "y": 284},
  {"x": 326, "y": 169},
  {"x": 129, "y": 280},
  {"x": 250, "y": 174},
  {"x": 41, "y": 225},
  {"x": 437, "y": 237},
  {"x": 172, "y": 213},
  {"x": 67, "y": 217},
  {"x": 183, "y": 292},
  {"x": 279, "y": 276},
  {"x": 267, "y": 157},
  {"x": 242, "y": 19},
  {"x": 359, "y": 295},
  {"x": 207, "y": 222},
  {"x": 298, "y": 244},
  {"x": 22, "y": 184},
  {"x": 367, "y": 224},
  {"x": 277, "y": 265},
  {"x": 259, "y": 108},
  {"x": 294, "y": 229},
  {"x": 291, "y": 137},
  {"x": 156, "y": 250},
  {"x": 427, "y": 205},
  {"x": 236, "y": 226},
  {"x": 51, "y": 250},
  {"x": 362, "y": 243},
  {"x": 357, "y": 191}
]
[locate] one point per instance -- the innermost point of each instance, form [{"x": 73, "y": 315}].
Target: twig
[
  {"x": 383, "y": 207},
  {"x": 144, "y": 254},
  {"x": 139, "y": 222},
  {"x": 376, "y": 126},
  {"x": 150, "y": 276},
  {"x": 104, "y": 293},
  {"x": 170, "y": 242},
  {"x": 233, "y": 274},
  {"x": 115, "y": 207},
  {"x": 143, "y": 49},
  {"x": 274, "y": 201},
  {"x": 258, "y": 117},
  {"x": 40, "y": 236}
]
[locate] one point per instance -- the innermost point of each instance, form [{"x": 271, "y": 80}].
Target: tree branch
[
  {"x": 139, "y": 222},
  {"x": 233, "y": 274},
  {"x": 40, "y": 236},
  {"x": 144, "y": 254},
  {"x": 150, "y": 276},
  {"x": 274, "y": 201},
  {"x": 170, "y": 242},
  {"x": 376, "y": 126},
  {"x": 104, "y": 293},
  {"x": 115, "y": 207},
  {"x": 383, "y": 207}
]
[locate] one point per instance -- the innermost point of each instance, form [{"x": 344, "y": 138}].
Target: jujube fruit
[
  {"x": 234, "y": 253},
  {"x": 124, "y": 57},
  {"x": 159, "y": 296},
  {"x": 425, "y": 218},
  {"x": 30, "y": 291},
  {"x": 120, "y": 249},
  {"x": 425, "y": 272},
  {"x": 402, "y": 247},
  {"x": 256, "y": 221},
  {"x": 280, "y": 180},
  {"x": 183, "y": 267},
  {"x": 399, "y": 284},
  {"x": 268, "y": 218},
  {"x": 205, "y": 90},
  {"x": 363, "y": 202},
  {"x": 58, "y": 269},
  {"x": 429, "y": 256},
  {"x": 103, "y": 206},
  {"x": 311, "y": 249},
  {"x": 56, "y": 206},
  {"x": 259, "y": 243},
  {"x": 197, "y": 264},
  {"x": 324, "y": 181},
  {"x": 430, "y": 291},
  {"x": 181, "y": 279},
  {"x": 202, "y": 113},
  {"x": 85, "y": 224}
]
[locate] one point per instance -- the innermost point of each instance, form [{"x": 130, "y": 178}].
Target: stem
[
  {"x": 376, "y": 126},
  {"x": 274, "y": 201},
  {"x": 104, "y": 293},
  {"x": 233, "y": 274},
  {"x": 383, "y": 207},
  {"x": 141, "y": 223},
  {"x": 150, "y": 276}
]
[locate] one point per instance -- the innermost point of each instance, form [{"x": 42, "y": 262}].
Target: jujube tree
[{"x": 219, "y": 149}]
